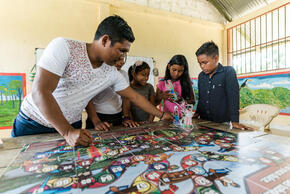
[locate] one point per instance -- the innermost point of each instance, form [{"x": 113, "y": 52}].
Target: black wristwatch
[{"x": 126, "y": 118}]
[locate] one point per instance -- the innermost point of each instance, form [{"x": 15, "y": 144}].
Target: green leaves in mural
[
  {"x": 17, "y": 86},
  {"x": 283, "y": 94},
  {"x": 278, "y": 96},
  {"x": 2, "y": 91},
  {"x": 11, "y": 96}
]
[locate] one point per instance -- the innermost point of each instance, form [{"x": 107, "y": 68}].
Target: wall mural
[
  {"x": 272, "y": 88},
  {"x": 12, "y": 92},
  {"x": 195, "y": 90}
]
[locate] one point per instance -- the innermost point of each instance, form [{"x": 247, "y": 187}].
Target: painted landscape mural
[
  {"x": 195, "y": 90},
  {"x": 12, "y": 91},
  {"x": 262, "y": 89},
  {"x": 266, "y": 89}
]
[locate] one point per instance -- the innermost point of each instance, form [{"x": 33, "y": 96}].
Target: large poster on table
[
  {"x": 157, "y": 158},
  {"x": 12, "y": 92}
]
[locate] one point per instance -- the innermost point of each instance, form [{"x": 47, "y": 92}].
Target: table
[{"x": 12, "y": 147}]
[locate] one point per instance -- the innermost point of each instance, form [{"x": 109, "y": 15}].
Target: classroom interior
[{"x": 252, "y": 36}]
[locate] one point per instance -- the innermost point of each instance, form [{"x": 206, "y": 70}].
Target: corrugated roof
[{"x": 232, "y": 9}]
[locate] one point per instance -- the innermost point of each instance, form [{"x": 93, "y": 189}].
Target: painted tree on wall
[
  {"x": 12, "y": 91},
  {"x": 17, "y": 86},
  {"x": 2, "y": 90},
  {"x": 13, "y": 95},
  {"x": 6, "y": 94}
]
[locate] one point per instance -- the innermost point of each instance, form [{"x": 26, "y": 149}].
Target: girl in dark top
[{"x": 138, "y": 77}]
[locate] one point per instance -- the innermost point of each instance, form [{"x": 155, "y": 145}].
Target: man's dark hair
[
  {"x": 116, "y": 28},
  {"x": 209, "y": 49}
]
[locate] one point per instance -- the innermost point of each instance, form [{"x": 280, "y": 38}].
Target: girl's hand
[
  {"x": 99, "y": 126},
  {"x": 167, "y": 96},
  {"x": 166, "y": 116},
  {"x": 130, "y": 123}
]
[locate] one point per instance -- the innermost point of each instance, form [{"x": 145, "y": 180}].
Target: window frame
[{"x": 266, "y": 47}]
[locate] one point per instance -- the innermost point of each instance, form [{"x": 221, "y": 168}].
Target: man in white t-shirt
[
  {"x": 69, "y": 74},
  {"x": 109, "y": 107}
]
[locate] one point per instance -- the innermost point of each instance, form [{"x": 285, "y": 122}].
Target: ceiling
[{"x": 232, "y": 9}]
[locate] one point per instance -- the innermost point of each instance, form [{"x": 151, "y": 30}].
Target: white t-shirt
[
  {"x": 109, "y": 102},
  {"x": 79, "y": 81}
]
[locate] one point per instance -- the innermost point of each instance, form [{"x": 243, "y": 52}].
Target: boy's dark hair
[
  {"x": 208, "y": 48},
  {"x": 116, "y": 28},
  {"x": 185, "y": 81},
  {"x": 137, "y": 67}
]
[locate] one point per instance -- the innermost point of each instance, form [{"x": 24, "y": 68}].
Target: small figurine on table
[
  {"x": 176, "y": 120},
  {"x": 187, "y": 119}
]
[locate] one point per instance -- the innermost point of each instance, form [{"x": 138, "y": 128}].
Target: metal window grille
[{"x": 261, "y": 43}]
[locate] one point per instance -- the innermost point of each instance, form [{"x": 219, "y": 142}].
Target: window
[{"x": 262, "y": 43}]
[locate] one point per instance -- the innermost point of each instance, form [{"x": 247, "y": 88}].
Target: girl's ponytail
[{"x": 130, "y": 73}]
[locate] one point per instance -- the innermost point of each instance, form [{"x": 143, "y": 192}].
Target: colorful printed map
[{"x": 160, "y": 159}]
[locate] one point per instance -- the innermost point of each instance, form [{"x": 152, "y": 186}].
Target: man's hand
[
  {"x": 167, "y": 116},
  {"x": 130, "y": 123},
  {"x": 76, "y": 137},
  {"x": 99, "y": 125},
  {"x": 241, "y": 126}
]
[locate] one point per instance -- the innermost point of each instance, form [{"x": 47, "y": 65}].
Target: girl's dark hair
[
  {"x": 137, "y": 67},
  {"x": 185, "y": 81}
]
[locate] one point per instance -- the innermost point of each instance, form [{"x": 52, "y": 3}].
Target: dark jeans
[
  {"x": 114, "y": 119},
  {"x": 23, "y": 125}
]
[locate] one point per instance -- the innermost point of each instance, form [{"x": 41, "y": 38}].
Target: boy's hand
[
  {"x": 99, "y": 125},
  {"x": 241, "y": 126},
  {"x": 167, "y": 116},
  {"x": 75, "y": 137},
  {"x": 196, "y": 115},
  {"x": 130, "y": 123}
]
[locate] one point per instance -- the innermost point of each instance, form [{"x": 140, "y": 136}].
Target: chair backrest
[{"x": 259, "y": 116}]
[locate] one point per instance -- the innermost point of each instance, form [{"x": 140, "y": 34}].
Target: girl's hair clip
[{"x": 138, "y": 63}]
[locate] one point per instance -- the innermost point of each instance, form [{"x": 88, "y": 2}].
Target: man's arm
[
  {"x": 143, "y": 103},
  {"x": 158, "y": 96},
  {"x": 44, "y": 84}
]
